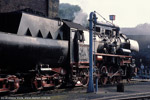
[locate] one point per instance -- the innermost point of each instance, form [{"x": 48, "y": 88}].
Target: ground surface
[{"x": 79, "y": 93}]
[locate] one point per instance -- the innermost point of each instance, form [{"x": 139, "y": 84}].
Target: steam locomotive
[{"x": 39, "y": 52}]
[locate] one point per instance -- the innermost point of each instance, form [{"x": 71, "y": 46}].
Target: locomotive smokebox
[{"x": 134, "y": 46}]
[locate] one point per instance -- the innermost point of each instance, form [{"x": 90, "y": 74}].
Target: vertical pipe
[
  {"x": 49, "y": 9},
  {"x": 91, "y": 85},
  {"x": 96, "y": 87}
]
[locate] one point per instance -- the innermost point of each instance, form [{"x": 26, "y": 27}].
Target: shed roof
[{"x": 74, "y": 25}]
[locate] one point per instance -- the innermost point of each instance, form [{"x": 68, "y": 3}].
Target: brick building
[{"x": 46, "y": 7}]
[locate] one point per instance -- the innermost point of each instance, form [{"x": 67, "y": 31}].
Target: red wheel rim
[{"x": 104, "y": 79}]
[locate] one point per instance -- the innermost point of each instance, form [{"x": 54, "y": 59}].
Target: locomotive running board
[{"x": 112, "y": 55}]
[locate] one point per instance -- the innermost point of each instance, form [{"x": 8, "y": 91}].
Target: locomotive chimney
[{"x": 53, "y": 7}]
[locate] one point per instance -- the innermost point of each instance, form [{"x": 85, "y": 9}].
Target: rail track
[
  {"x": 134, "y": 96},
  {"x": 43, "y": 92},
  {"x": 107, "y": 92}
]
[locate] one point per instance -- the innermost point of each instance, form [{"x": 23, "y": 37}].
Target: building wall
[{"x": 47, "y": 7}]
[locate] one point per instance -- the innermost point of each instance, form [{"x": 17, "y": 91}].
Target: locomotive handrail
[{"x": 112, "y": 55}]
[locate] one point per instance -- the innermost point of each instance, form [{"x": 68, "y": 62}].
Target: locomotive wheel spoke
[
  {"x": 84, "y": 78},
  {"x": 111, "y": 78},
  {"x": 104, "y": 80},
  {"x": 36, "y": 85},
  {"x": 104, "y": 77}
]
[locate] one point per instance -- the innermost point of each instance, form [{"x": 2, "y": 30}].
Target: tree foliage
[{"x": 66, "y": 11}]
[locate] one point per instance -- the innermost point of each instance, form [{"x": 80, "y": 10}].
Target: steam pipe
[
  {"x": 111, "y": 26},
  {"x": 116, "y": 28},
  {"x": 92, "y": 20}
]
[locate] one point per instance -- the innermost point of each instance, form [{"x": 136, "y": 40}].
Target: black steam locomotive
[{"x": 41, "y": 52}]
